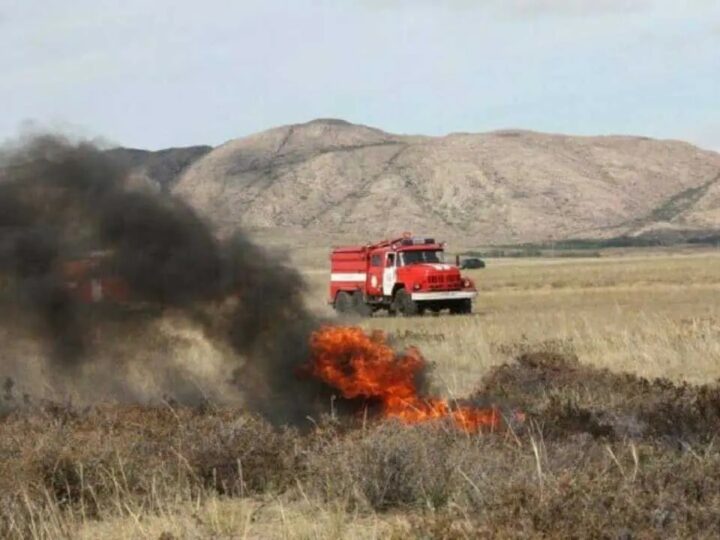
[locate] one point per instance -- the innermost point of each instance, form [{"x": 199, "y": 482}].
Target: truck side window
[
  {"x": 390, "y": 262},
  {"x": 376, "y": 260}
]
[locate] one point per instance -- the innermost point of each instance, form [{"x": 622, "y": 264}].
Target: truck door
[
  {"x": 374, "y": 283},
  {"x": 389, "y": 274}
]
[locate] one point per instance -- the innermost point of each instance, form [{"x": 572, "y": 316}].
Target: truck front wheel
[
  {"x": 405, "y": 304},
  {"x": 461, "y": 307}
]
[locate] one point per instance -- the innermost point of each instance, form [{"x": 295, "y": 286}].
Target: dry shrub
[
  {"x": 387, "y": 466},
  {"x": 599, "y": 456},
  {"x": 586, "y": 493},
  {"x": 564, "y": 396},
  {"x": 524, "y": 346},
  {"x": 243, "y": 456},
  {"x": 581, "y": 492},
  {"x": 108, "y": 459},
  {"x": 90, "y": 460},
  {"x": 435, "y": 526}
]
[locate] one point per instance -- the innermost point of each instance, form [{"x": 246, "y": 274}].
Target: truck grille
[{"x": 444, "y": 282}]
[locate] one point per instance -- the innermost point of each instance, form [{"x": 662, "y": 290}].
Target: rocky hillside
[
  {"x": 499, "y": 187},
  {"x": 162, "y": 167}
]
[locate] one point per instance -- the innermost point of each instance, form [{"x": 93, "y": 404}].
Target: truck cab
[{"x": 407, "y": 275}]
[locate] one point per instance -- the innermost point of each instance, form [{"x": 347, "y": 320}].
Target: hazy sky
[{"x": 173, "y": 72}]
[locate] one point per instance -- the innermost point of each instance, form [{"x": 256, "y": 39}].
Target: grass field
[
  {"x": 654, "y": 315},
  {"x": 602, "y": 454}
]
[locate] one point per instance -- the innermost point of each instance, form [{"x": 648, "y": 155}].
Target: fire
[{"x": 361, "y": 365}]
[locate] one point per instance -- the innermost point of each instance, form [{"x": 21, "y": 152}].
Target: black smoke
[{"x": 60, "y": 200}]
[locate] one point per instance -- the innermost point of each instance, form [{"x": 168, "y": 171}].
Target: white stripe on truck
[
  {"x": 347, "y": 276},
  {"x": 443, "y": 295}
]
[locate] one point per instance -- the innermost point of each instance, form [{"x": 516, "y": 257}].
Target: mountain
[
  {"x": 161, "y": 167},
  {"x": 500, "y": 187}
]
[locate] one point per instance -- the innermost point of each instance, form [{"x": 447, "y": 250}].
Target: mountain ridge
[
  {"x": 502, "y": 187},
  {"x": 505, "y": 186}
]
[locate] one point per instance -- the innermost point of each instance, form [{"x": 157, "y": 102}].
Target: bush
[{"x": 388, "y": 466}]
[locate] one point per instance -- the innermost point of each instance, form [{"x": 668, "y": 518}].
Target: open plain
[{"x": 613, "y": 360}]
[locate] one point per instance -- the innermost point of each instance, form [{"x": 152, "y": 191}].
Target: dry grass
[
  {"x": 603, "y": 453},
  {"x": 655, "y": 315}
]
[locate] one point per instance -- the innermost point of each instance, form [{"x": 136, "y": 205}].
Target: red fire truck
[
  {"x": 406, "y": 275},
  {"x": 90, "y": 280}
]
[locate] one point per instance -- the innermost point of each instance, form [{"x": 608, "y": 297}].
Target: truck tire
[
  {"x": 461, "y": 307},
  {"x": 343, "y": 303},
  {"x": 405, "y": 304}
]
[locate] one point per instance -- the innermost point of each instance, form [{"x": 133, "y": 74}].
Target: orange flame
[{"x": 358, "y": 365}]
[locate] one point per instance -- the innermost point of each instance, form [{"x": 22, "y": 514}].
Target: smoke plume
[{"x": 60, "y": 201}]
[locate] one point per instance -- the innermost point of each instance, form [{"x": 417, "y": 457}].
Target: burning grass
[
  {"x": 600, "y": 455},
  {"x": 365, "y": 367}
]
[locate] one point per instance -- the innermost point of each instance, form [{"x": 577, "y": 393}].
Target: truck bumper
[{"x": 443, "y": 295}]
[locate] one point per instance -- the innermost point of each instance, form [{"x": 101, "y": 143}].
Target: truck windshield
[{"x": 420, "y": 256}]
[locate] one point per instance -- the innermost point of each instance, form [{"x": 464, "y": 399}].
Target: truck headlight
[
  {"x": 466, "y": 283},
  {"x": 416, "y": 287}
]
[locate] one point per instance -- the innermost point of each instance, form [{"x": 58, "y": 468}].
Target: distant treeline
[
  {"x": 585, "y": 247},
  {"x": 522, "y": 252}
]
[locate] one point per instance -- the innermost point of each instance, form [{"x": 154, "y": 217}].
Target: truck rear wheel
[
  {"x": 343, "y": 303},
  {"x": 405, "y": 304}
]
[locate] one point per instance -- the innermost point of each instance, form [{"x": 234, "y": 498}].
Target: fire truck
[
  {"x": 91, "y": 280},
  {"x": 406, "y": 275}
]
